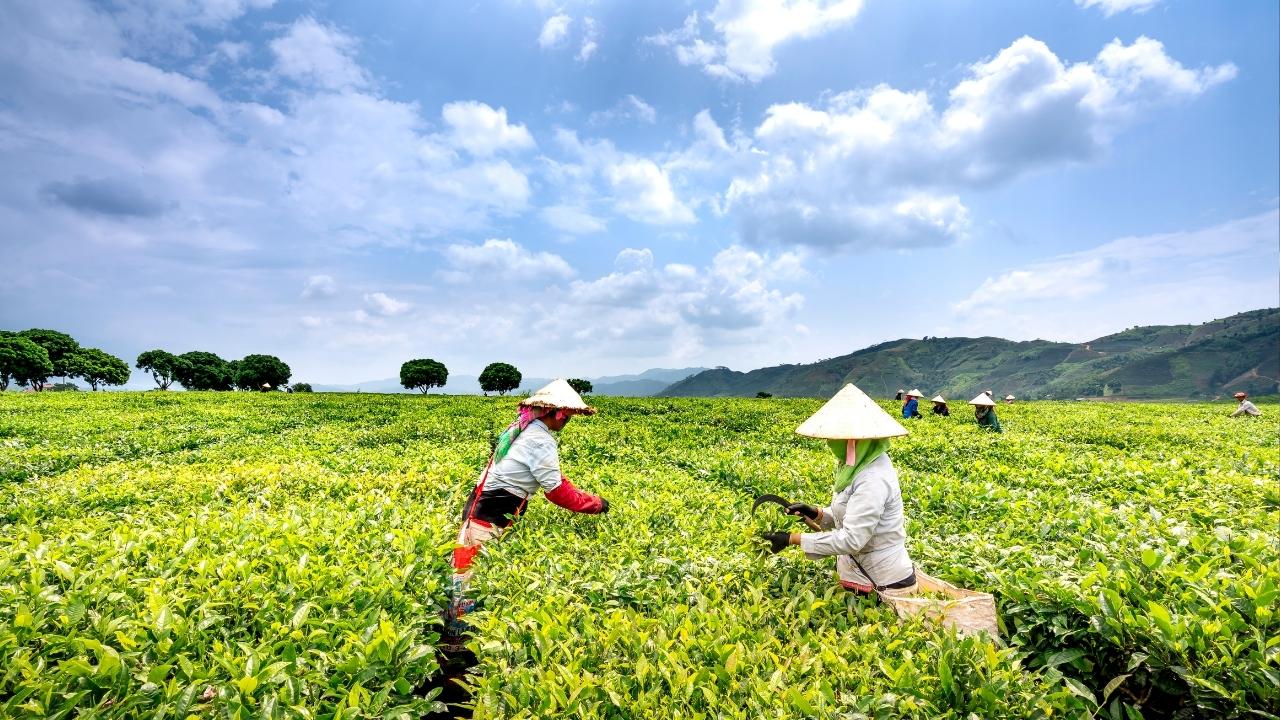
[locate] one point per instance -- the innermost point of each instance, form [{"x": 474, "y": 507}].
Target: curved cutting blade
[{"x": 767, "y": 498}]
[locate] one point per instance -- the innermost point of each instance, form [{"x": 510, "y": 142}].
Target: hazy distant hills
[
  {"x": 1241, "y": 352},
  {"x": 649, "y": 382}
]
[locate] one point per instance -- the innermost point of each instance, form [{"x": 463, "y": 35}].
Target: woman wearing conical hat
[
  {"x": 525, "y": 459},
  {"x": 863, "y": 527},
  {"x": 984, "y": 411},
  {"x": 940, "y": 406},
  {"x": 911, "y": 406}
]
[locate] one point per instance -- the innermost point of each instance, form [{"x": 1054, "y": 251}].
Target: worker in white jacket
[
  {"x": 1246, "y": 407},
  {"x": 864, "y": 524}
]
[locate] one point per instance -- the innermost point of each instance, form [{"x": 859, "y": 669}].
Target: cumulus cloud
[
  {"x": 363, "y": 169},
  {"x": 319, "y": 286},
  {"x": 104, "y": 197},
  {"x": 572, "y": 220},
  {"x": 745, "y": 34},
  {"x": 884, "y": 166},
  {"x": 640, "y": 188},
  {"x": 557, "y": 31},
  {"x": 679, "y": 309},
  {"x": 384, "y": 305},
  {"x": 317, "y": 54},
  {"x": 554, "y": 31},
  {"x": 1112, "y": 7},
  {"x": 642, "y": 191},
  {"x": 1167, "y": 277},
  {"x": 484, "y": 131},
  {"x": 505, "y": 258}
]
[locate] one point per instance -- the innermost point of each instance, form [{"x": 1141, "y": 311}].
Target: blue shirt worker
[{"x": 911, "y": 407}]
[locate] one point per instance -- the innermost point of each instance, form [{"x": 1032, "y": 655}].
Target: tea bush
[{"x": 272, "y": 555}]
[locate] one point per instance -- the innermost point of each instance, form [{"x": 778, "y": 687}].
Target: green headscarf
[{"x": 866, "y": 451}]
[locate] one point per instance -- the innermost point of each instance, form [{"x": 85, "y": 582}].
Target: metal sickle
[
  {"x": 767, "y": 498},
  {"x": 784, "y": 504}
]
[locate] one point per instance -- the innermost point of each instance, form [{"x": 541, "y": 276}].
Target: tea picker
[
  {"x": 864, "y": 524},
  {"x": 984, "y": 411},
  {"x": 940, "y": 406},
  {"x": 524, "y": 460},
  {"x": 1246, "y": 407},
  {"x": 911, "y": 406}
]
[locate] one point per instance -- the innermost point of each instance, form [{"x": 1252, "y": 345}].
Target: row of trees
[
  {"x": 200, "y": 370},
  {"x": 33, "y": 356},
  {"x": 423, "y": 374}
]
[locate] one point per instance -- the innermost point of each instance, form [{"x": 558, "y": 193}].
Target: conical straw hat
[
  {"x": 983, "y": 399},
  {"x": 915, "y": 393},
  {"x": 1009, "y": 397},
  {"x": 850, "y": 415},
  {"x": 939, "y": 398},
  {"x": 558, "y": 394}
]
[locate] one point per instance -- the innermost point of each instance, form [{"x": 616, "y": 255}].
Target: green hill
[{"x": 1241, "y": 352}]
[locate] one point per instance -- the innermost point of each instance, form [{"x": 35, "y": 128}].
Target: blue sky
[{"x": 590, "y": 188}]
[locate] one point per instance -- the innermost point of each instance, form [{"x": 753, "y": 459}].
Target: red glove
[{"x": 574, "y": 500}]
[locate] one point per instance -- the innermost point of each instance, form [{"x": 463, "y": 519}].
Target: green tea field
[{"x": 244, "y": 555}]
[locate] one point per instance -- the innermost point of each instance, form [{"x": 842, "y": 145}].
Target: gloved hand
[
  {"x": 778, "y": 541},
  {"x": 803, "y": 510},
  {"x": 604, "y": 506}
]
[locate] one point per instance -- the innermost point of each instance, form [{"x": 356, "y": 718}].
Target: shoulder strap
[{"x": 866, "y": 574}]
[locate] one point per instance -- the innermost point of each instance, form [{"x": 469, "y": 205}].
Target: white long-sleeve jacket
[
  {"x": 1246, "y": 408},
  {"x": 532, "y": 462},
  {"x": 865, "y": 521}
]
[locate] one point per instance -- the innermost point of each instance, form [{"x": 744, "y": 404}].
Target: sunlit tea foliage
[{"x": 269, "y": 555}]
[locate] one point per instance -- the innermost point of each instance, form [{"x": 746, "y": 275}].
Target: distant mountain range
[
  {"x": 649, "y": 382},
  {"x": 1239, "y": 353}
]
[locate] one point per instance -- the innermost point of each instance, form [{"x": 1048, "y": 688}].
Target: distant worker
[
  {"x": 990, "y": 394},
  {"x": 984, "y": 411},
  {"x": 525, "y": 458},
  {"x": 266, "y": 387},
  {"x": 940, "y": 406},
  {"x": 1246, "y": 407},
  {"x": 911, "y": 407},
  {"x": 899, "y": 395},
  {"x": 863, "y": 527},
  {"x": 1008, "y": 399}
]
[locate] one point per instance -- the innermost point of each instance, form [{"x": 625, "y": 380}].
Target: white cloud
[
  {"x": 362, "y": 170},
  {"x": 1169, "y": 277},
  {"x": 572, "y": 220},
  {"x": 750, "y": 30},
  {"x": 167, "y": 27},
  {"x": 884, "y": 167},
  {"x": 642, "y": 191},
  {"x": 504, "y": 258},
  {"x": 590, "y": 39},
  {"x": 384, "y": 305},
  {"x": 631, "y": 260},
  {"x": 1143, "y": 70},
  {"x": 1062, "y": 280},
  {"x": 678, "y": 310},
  {"x": 318, "y": 54},
  {"x": 319, "y": 286},
  {"x": 484, "y": 131},
  {"x": 630, "y": 108},
  {"x": 1111, "y": 7},
  {"x": 554, "y": 31}
]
